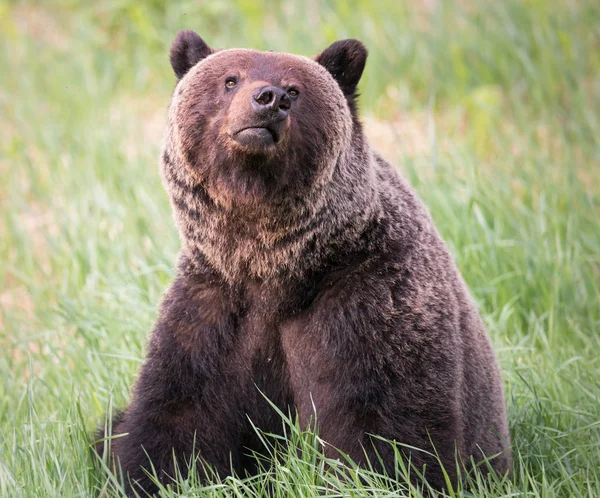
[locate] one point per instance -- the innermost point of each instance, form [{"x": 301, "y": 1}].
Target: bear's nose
[{"x": 272, "y": 98}]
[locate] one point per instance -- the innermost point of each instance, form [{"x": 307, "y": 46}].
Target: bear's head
[
  {"x": 264, "y": 158},
  {"x": 256, "y": 129}
]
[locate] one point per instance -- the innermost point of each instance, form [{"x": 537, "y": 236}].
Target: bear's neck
[{"x": 285, "y": 242}]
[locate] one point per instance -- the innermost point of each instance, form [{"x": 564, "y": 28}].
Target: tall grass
[{"x": 491, "y": 109}]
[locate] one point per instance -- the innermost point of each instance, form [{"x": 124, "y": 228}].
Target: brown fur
[{"x": 309, "y": 270}]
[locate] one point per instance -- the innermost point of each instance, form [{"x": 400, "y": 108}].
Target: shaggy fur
[{"x": 309, "y": 271}]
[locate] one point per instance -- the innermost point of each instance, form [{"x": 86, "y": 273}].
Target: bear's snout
[
  {"x": 262, "y": 121},
  {"x": 271, "y": 99}
]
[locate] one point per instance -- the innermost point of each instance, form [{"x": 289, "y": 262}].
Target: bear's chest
[
  {"x": 270, "y": 352},
  {"x": 284, "y": 350}
]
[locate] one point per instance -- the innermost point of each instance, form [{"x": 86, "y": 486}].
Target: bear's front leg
[
  {"x": 185, "y": 403},
  {"x": 365, "y": 358}
]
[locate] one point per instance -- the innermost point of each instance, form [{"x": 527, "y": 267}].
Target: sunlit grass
[{"x": 491, "y": 110}]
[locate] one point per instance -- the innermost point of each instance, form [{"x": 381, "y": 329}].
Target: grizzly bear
[{"x": 310, "y": 276}]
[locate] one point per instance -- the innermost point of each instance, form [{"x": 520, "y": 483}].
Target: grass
[{"x": 491, "y": 109}]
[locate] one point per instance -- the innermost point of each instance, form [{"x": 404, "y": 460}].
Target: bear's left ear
[
  {"x": 187, "y": 49},
  {"x": 345, "y": 60}
]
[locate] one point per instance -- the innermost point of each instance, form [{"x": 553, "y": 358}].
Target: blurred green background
[{"x": 490, "y": 108}]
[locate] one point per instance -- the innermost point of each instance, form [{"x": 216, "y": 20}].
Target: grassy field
[{"x": 491, "y": 109}]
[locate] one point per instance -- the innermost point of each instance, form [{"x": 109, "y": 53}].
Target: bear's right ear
[{"x": 187, "y": 49}]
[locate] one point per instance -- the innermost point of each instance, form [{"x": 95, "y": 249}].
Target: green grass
[{"x": 491, "y": 109}]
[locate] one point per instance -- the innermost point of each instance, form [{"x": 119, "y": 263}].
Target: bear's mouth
[
  {"x": 261, "y": 133},
  {"x": 258, "y": 137}
]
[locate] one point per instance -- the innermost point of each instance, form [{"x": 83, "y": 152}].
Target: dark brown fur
[{"x": 311, "y": 272}]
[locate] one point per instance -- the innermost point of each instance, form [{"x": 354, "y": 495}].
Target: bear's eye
[
  {"x": 230, "y": 82},
  {"x": 293, "y": 93}
]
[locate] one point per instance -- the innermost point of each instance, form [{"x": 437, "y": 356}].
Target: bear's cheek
[
  {"x": 201, "y": 131},
  {"x": 239, "y": 110},
  {"x": 313, "y": 129}
]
